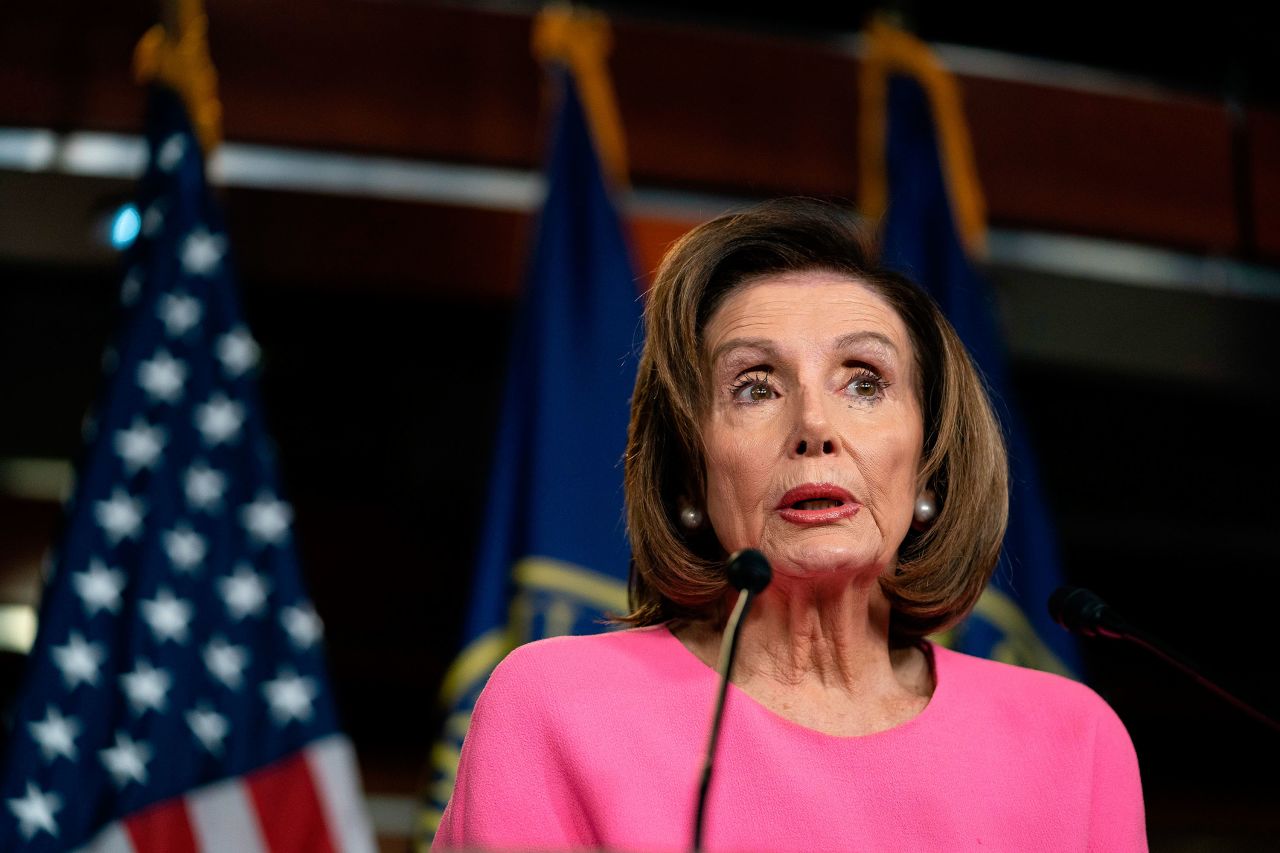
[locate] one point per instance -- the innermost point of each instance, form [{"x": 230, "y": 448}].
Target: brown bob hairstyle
[{"x": 677, "y": 574}]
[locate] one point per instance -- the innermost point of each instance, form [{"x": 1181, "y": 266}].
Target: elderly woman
[{"x": 796, "y": 398}]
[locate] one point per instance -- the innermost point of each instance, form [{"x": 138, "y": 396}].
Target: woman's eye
[
  {"x": 753, "y": 389},
  {"x": 866, "y": 386}
]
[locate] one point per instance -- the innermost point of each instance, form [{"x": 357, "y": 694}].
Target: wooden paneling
[
  {"x": 1264, "y": 171},
  {"x": 704, "y": 109},
  {"x": 378, "y": 246},
  {"x": 67, "y": 65},
  {"x": 1155, "y": 171},
  {"x": 731, "y": 112},
  {"x": 401, "y": 248}
]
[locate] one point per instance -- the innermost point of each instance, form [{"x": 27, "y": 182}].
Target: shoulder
[
  {"x": 1042, "y": 726},
  {"x": 970, "y": 673},
  {"x": 1040, "y": 700},
  {"x": 566, "y": 666}
]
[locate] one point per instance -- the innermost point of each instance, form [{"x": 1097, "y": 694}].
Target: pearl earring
[
  {"x": 690, "y": 516},
  {"x": 926, "y": 507}
]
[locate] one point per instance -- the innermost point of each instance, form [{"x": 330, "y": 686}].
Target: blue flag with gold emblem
[
  {"x": 554, "y": 557},
  {"x": 918, "y": 175}
]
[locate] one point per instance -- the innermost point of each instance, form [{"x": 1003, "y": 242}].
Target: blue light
[{"x": 125, "y": 225}]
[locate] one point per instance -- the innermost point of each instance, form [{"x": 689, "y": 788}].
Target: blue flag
[
  {"x": 176, "y": 695},
  {"x": 554, "y": 557},
  {"x": 922, "y": 239}
]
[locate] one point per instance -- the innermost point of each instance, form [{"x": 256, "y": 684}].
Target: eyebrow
[{"x": 843, "y": 342}]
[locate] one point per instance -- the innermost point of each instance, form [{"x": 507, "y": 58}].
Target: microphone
[
  {"x": 1082, "y": 612},
  {"x": 749, "y": 572}
]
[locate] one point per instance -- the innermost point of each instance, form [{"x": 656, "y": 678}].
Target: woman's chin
[{"x": 819, "y": 559}]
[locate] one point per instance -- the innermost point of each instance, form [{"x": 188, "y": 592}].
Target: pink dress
[{"x": 596, "y": 743}]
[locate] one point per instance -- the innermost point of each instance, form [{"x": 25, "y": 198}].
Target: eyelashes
[
  {"x": 753, "y": 386},
  {"x": 864, "y": 379},
  {"x": 757, "y": 385}
]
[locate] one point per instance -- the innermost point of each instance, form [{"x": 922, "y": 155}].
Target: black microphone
[
  {"x": 749, "y": 572},
  {"x": 1083, "y": 612}
]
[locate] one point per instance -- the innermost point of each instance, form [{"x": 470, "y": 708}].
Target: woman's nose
[
  {"x": 823, "y": 448},
  {"x": 814, "y": 435}
]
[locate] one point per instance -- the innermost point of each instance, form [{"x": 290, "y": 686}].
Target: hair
[{"x": 679, "y": 574}]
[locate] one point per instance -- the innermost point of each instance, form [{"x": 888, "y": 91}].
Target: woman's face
[{"x": 814, "y": 433}]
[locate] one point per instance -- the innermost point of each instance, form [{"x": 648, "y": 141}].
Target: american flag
[{"x": 176, "y": 696}]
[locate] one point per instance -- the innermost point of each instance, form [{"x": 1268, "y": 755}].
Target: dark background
[{"x": 383, "y": 327}]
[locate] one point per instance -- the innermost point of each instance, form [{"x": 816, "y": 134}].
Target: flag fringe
[
  {"x": 893, "y": 51},
  {"x": 581, "y": 39}
]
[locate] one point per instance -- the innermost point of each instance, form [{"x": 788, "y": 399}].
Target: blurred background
[{"x": 379, "y": 176}]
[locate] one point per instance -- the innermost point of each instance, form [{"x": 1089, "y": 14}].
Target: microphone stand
[
  {"x": 1178, "y": 661},
  {"x": 728, "y": 650},
  {"x": 1082, "y": 612}
]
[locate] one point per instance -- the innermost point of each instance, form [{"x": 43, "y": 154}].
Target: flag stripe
[
  {"x": 163, "y": 828},
  {"x": 113, "y": 839},
  {"x": 333, "y": 770},
  {"x": 223, "y": 817},
  {"x": 288, "y": 807}
]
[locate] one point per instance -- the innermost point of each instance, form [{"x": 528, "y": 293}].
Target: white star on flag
[
  {"x": 162, "y": 377},
  {"x": 127, "y": 760},
  {"x": 185, "y": 548},
  {"x": 167, "y": 616},
  {"x": 201, "y": 252},
  {"x": 56, "y": 734},
  {"x": 303, "y": 625},
  {"x": 153, "y": 220},
  {"x": 226, "y": 662},
  {"x": 244, "y": 593},
  {"x": 139, "y": 446},
  {"x": 170, "y": 153},
  {"x": 290, "y": 696},
  {"x": 179, "y": 313},
  {"x": 219, "y": 420},
  {"x": 120, "y": 516},
  {"x": 99, "y": 587},
  {"x": 238, "y": 351},
  {"x": 35, "y": 812},
  {"x": 78, "y": 660},
  {"x": 267, "y": 519},
  {"x": 131, "y": 287},
  {"x": 209, "y": 727},
  {"x": 204, "y": 487},
  {"x": 146, "y": 687}
]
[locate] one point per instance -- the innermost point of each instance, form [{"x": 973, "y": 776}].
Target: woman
[{"x": 794, "y": 397}]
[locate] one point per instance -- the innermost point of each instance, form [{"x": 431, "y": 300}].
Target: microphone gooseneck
[
  {"x": 750, "y": 573},
  {"x": 1083, "y": 612}
]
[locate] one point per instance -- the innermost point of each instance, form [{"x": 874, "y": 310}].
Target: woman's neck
[{"x": 819, "y": 654}]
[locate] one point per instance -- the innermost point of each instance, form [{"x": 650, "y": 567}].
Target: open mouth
[
  {"x": 817, "y": 503},
  {"x": 813, "y": 502}
]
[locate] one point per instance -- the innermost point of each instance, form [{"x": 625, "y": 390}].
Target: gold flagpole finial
[
  {"x": 175, "y": 53},
  {"x": 581, "y": 40}
]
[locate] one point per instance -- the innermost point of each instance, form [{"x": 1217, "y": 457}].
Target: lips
[{"x": 816, "y": 503}]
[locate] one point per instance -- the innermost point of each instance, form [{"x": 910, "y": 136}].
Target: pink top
[{"x": 596, "y": 742}]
